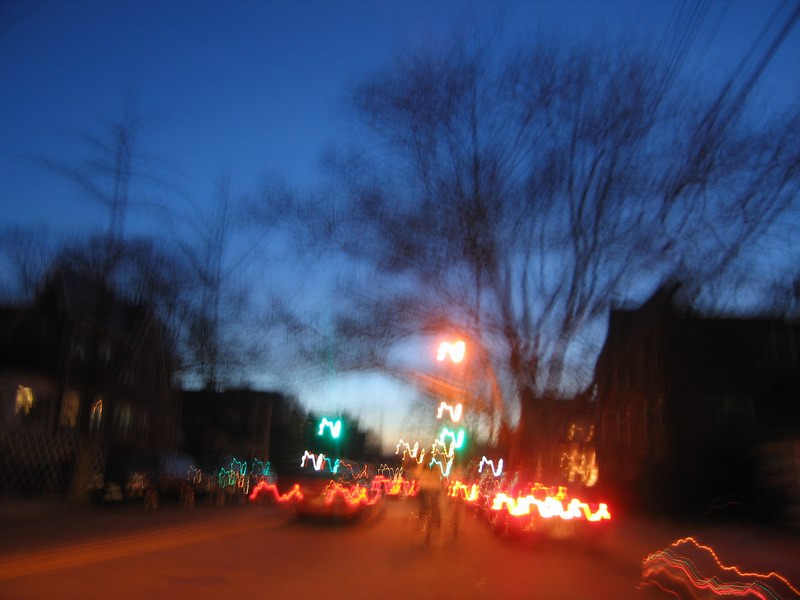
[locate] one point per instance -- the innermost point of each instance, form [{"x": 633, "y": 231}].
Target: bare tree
[
  {"x": 783, "y": 298},
  {"x": 219, "y": 336},
  {"x": 113, "y": 170},
  {"x": 28, "y": 252},
  {"x": 512, "y": 199}
]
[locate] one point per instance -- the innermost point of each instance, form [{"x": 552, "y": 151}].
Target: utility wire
[
  {"x": 709, "y": 38},
  {"x": 717, "y": 117},
  {"x": 791, "y": 21}
]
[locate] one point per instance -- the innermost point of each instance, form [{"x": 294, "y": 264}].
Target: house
[
  {"x": 85, "y": 387},
  {"x": 687, "y": 406}
]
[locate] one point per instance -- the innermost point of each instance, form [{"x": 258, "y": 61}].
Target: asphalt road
[{"x": 261, "y": 552}]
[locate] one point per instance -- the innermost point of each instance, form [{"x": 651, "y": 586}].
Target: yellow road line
[{"x": 29, "y": 563}]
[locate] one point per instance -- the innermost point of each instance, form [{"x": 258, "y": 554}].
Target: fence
[{"x": 35, "y": 460}]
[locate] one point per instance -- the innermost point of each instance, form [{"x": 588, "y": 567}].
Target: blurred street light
[{"x": 455, "y": 350}]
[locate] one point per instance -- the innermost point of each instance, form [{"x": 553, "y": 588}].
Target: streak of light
[
  {"x": 334, "y": 426},
  {"x": 455, "y": 411},
  {"x": 456, "y": 439},
  {"x": 444, "y": 466},
  {"x": 318, "y": 460},
  {"x": 396, "y": 486},
  {"x": 549, "y": 508},
  {"x": 468, "y": 493},
  {"x": 414, "y": 452},
  {"x": 263, "y": 487},
  {"x": 487, "y": 461},
  {"x": 678, "y": 568},
  {"x": 352, "y": 495}
]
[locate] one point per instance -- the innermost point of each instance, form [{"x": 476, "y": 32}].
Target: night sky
[{"x": 253, "y": 88}]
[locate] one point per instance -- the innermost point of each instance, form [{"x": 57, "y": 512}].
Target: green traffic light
[{"x": 334, "y": 426}]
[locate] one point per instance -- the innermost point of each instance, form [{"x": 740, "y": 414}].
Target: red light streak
[
  {"x": 468, "y": 493},
  {"x": 549, "y": 508},
  {"x": 546, "y": 502},
  {"x": 672, "y": 565},
  {"x": 396, "y": 486},
  {"x": 353, "y": 496},
  {"x": 362, "y": 474},
  {"x": 734, "y": 568},
  {"x": 263, "y": 487}
]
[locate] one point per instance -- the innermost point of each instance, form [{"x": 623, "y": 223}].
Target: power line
[
  {"x": 711, "y": 35},
  {"x": 718, "y": 118},
  {"x": 791, "y": 21}
]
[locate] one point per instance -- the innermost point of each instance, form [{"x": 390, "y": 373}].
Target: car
[
  {"x": 341, "y": 493},
  {"x": 547, "y": 512}
]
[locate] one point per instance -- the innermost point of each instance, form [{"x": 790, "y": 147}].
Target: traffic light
[{"x": 334, "y": 427}]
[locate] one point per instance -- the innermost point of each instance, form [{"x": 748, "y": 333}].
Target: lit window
[
  {"x": 70, "y": 406},
  {"x": 96, "y": 416},
  {"x": 24, "y": 402}
]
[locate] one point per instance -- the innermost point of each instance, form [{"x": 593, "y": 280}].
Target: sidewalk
[{"x": 14, "y": 508}]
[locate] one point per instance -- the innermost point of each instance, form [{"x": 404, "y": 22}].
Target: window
[
  {"x": 78, "y": 350},
  {"x": 96, "y": 415},
  {"x": 122, "y": 420},
  {"x": 104, "y": 352},
  {"x": 126, "y": 376},
  {"x": 24, "y": 401},
  {"x": 70, "y": 407}
]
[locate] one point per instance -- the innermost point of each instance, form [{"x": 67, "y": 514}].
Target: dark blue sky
[
  {"x": 253, "y": 87},
  {"x": 250, "y": 88}
]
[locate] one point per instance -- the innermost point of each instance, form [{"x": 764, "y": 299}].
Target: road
[{"x": 263, "y": 552}]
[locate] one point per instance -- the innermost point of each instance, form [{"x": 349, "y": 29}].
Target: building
[
  {"x": 235, "y": 423},
  {"x": 85, "y": 387},
  {"x": 687, "y": 407}
]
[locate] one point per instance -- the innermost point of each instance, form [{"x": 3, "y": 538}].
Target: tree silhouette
[{"x": 512, "y": 198}]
